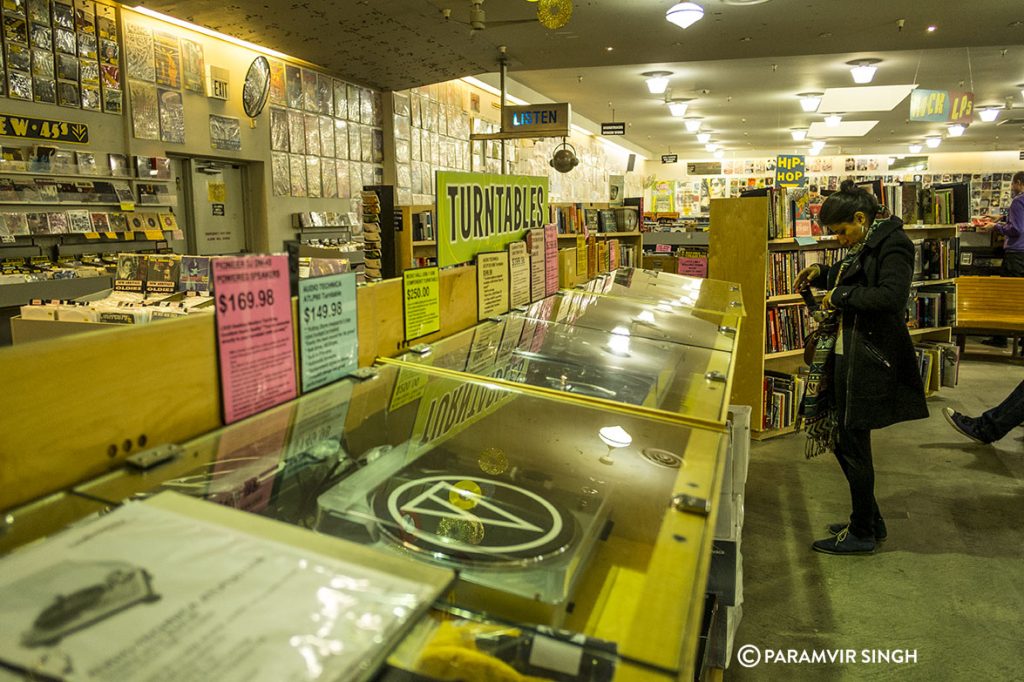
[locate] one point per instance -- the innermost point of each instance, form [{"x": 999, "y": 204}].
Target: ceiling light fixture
[
  {"x": 657, "y": 81},
  {"x": 863, "y": 70},
  {"x": 711, "y": 147},
  {"x": 931, "y": 29},
  {"x": 609, "y": 48},
  {"x": 933, "y": 141},
  {"x": 719, "y": 153},
  {"x": 693, "y": 123},
  {"x": 798, "y": 134},
  {"x": 703, "y": 138},
  {"x": 988, "y": 114},
  {"x": 818, "y": 145},
  {"x": 809, "y": 101},
  {"x": 955, "y": 130},
  {"x": 915, "y": 148},
  {"x": 685, "y": 14},
  {"x": 833, "y": 120},
  {"x": 678, "y": 106}
]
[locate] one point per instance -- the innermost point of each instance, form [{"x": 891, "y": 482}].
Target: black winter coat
[{"x": 877, "y": 373}]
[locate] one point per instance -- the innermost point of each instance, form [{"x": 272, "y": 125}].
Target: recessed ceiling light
[
  {"x": 609, "y": 48},
  {"x": 657, "y": 81},
  {"x": 863, "y": 70},
  {"x": 989, "y": 114},
  {"x": 719, "y": 153},
  {"x": 685, "y": 14},
  {"x": 931, "y": 29},
  {"x": 914, "y": 148},
  {"x": 933, "y": 141},
  {"x": 833, "y": 120},
  {"x": 693, "y": 123},
  {"x": 745, "y": 39},
  {"x": 678, "y": 106},
  {"x": 955, "y": 130},
  {"x": 703, "y": 138},
  {"x": 798, "y": 133},
  {"x": 711, "y": 147},
  {"x": 809, "y": 101}
]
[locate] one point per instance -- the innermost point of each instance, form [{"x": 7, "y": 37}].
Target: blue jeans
[{"x": 1004, "y": 417}]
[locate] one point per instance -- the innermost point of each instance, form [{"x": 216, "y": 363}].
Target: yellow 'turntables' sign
[{"x": 478, "y": 212}]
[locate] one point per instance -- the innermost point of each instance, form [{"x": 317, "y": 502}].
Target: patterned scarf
[{"x": 819, "y": 415}]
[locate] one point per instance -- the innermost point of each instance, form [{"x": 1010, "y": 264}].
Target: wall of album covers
[
  {"x": 63, "y": 53},
  {"x": 588, "y": 182}
]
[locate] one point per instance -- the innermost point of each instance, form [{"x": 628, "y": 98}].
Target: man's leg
[{"x": 1004, "y": 417}]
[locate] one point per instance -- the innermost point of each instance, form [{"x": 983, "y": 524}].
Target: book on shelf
[
  {"x": 786, "y": 327},
  {"x": 606, "y": 221},
  {"x": 590, "y": 219},
  {"x": 782, "y": 394}
]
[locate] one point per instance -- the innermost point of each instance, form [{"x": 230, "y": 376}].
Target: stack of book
[
  {"x": 786, "y": 327},
  {"x": 782, "y": 395}
]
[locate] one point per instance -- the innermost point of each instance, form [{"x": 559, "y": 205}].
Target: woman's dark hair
[
  {"x": 1019, "y": 177},
  {"x": 841, "y": 206}
]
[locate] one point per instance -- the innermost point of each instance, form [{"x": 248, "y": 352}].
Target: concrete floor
[{"x": 948, "y": 583}]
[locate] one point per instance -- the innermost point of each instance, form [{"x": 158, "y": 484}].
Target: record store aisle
[{"x": 948, "y": 583}]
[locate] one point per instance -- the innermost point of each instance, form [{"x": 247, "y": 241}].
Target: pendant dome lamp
[{"x": 685, "y": 14}]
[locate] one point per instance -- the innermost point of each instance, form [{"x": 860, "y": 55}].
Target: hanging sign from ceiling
[
  {"x": 704, "y": 168},
  {"x": 547, "y": 120},
  {"x": 941, "y": 106},
  {"x": 669, "y": 158},
  {"x": 43, "y": 129},
  {"x": 790, "y": 170},
  {"x": 616, "y": 128}
]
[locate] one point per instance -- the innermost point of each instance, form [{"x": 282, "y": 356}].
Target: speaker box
[{"x": 631, "y": 163}]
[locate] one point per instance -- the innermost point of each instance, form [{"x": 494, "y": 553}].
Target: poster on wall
[
  {"x": 478, "y": 212},
  {"x": 193, "y": 66},
  {"x": 145, "y": 114},
  {"x": 172, "y": 117},
  {"x": 293, "y": 86},
  {"x": 278, "y": 93},
  {"x": 138, "y": 51},
  {"x": 297, "y": 173},
  {"x": 225, "y": 133},
  {"x": 278, "y": 130},
  {"x": 280, "y": 174},
  {"x": 167, "y": 57}
]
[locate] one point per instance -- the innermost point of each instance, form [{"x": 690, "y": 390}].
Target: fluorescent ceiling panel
[
  {"x": 866, "y": 98},
  {"x": 844, "y": 129}
]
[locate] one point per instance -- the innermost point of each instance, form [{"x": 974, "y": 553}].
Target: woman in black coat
[{"x": 864, "y": 374}]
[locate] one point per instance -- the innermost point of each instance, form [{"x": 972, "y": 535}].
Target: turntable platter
[{"x": 473, "y": 520}]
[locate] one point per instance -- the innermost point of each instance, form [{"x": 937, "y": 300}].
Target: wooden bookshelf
[{"x": 408, "y": 249}]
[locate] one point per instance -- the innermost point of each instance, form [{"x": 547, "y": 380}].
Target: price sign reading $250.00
[{"x": 421, "y": 299}]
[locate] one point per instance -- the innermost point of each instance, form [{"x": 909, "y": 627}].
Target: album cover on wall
[
  {"x": 64, "y": 42},
  {"x": 352, "y": 94},
  {"x": 344, "y": 190},
  {"x": 79, "y": 221},
  {"x": 87, "y": 46},
  {"x": 172, "y": 117},
  {"x": 355, "y": 151},
  {"x": 19, "y": 85},
  {"x": 225, "y": 132},
  {"x": 193, "y": 66},
  {"x": 45, "y": 90},
  {"x": 39, "y": 11},
  {"x": 329, "y": 173},
  {"x": 67, "y": 67},
  {"x": 91, "y": 98},
  {"x": 110, "y": 76},
  {"x": 16, "y": 224},
  {"x": 297, "y": 174},
  {"x": 145, "y": 111},
  {"x": 89, "y": 72},
  {"x": 167, "y": 60},
  {"x": 309, "y": 100},
  {"x": 324, "y": 95},
  {"x": 86, "y": 163},
  {"x": 278, "y": 129},
  {"x": 280, "y": 174},
  {"x": 340, "y": 100},
  {"x": 296, "y": 132},
  {"x": 278, "y": 92},
  {"x": 340, "y": 138},
  {"x": 313, "y": 184},
  {"x": 366, "y": 143},
  {"x": 37, "y": 223},
  {"x": 327, "y": 136},
  {"x": 41, "y": 37},
  {"x": 312, "y": 133},
  {"x": 110, "y": 53},
  {"x": 293, "y": 86},
  {"x": 19, "y": 57},
  {"x": 112, "y": 101},
  {"x": 15, "y": 28},
  {"x": 138, "y": 50},
  {"x": 68, "y": 94}
]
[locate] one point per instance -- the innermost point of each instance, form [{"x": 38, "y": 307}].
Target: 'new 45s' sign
[{"x": 43, "y": 129}]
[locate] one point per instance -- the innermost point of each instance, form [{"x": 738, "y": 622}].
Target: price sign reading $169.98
[
  {"x": 328, "y": 339},
  {"x": 254, "y": 334}
]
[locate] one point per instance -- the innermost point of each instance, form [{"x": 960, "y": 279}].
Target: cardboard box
[{"x": 660, "y": 261}]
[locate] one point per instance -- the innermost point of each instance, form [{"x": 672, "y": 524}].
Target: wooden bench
[{"x": 989, "y": 306}]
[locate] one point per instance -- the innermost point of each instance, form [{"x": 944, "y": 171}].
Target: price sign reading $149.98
[
  {"x": 328, "y": 339},
  {"x": 254, "y": 334}
]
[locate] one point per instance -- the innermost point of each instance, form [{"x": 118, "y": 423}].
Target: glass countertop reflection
[
  {"x": 610, "y": 365},
  {"x": 657, "y": 321},
  {"x": 534, "y": 498},
  {"x": 689, "y": 292}
]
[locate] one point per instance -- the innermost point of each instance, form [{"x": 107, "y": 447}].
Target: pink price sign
[{"x": 254, "y": 334}]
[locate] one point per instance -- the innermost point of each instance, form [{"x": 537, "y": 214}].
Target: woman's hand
[
  {"x": 826, "y": 301},
  {"x": 804, "y": 277}
]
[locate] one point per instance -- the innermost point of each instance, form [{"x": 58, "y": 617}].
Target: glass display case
[
  {"x": 556, "y": 511},
  {"x": 692, "y": 292},
  {"x": 608, "y": 365}
]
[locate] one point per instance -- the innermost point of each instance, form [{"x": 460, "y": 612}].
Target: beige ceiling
[{"x": 395, "y": 44}]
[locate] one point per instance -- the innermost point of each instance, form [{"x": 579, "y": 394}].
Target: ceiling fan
[{"x": 551, "y": 14}]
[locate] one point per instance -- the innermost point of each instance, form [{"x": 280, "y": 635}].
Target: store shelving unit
[
  {"x": 408, "y": 248},
  {"x": 739, "y": 226}
]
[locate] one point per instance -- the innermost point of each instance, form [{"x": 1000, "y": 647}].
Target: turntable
[{"x": 519, "y": 541}]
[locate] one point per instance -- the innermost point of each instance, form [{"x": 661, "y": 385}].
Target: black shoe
[
  {"x": 880, "y": 531},
  {"x": 994, "y": 342},
  {"x": 845, "y": 543},
  {"x": 965, "y": 425}
]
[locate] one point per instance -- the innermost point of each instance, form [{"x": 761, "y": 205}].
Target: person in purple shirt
[{"x": 1012, "y": 228}]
